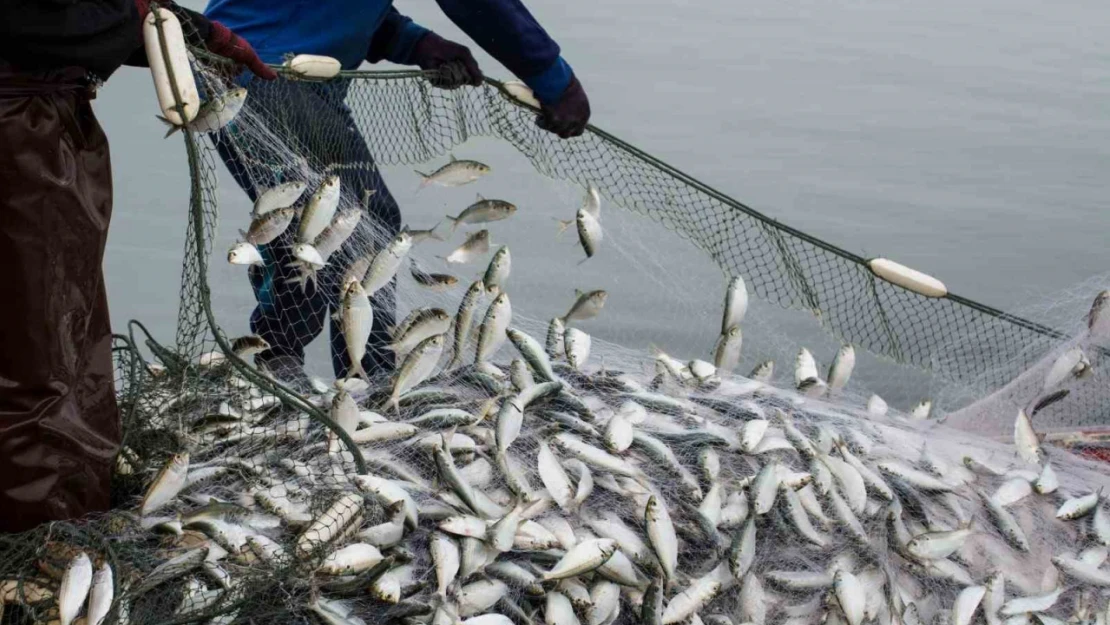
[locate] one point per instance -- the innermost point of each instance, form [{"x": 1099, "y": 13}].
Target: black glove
[
  {"x": 567, "y": 116},
  {"x": 455, "y": 64}
]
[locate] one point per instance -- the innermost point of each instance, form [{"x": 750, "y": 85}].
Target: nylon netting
[{"x": 485, "y": 493}]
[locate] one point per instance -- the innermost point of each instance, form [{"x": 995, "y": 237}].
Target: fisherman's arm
[{"x": 506, "y": 30}]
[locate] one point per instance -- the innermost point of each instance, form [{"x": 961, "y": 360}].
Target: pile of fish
[
  {"x": 547, "y": 489},
  {"x": 550, "y": 491}
]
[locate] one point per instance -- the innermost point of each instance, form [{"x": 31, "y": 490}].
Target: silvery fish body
[
  {"x": 498, "y": 270},
  {"x": 476, "y": 245},
  {"x": 587, "y": 306},
  {"x": 244, "y": 253},
  {"x": 736, "y": 303},
  {"x": 455, "y": 173},
  {"x": 590, "y": 233},
  {"x": 483, "y": 211},
  {"x": 337, "y": 232},
  {"x": 386, "y": 264},
  {"x": 464, "y": 319},
  {"x": 282, "y": 195},
  {"x": 577, "y": 344},
  {"x": 357, "y": 321},
  {"x": 320, "y": 210},
  {"x": 492, "y": 333},
  {"x": 417, "y": 366},
  {"x": 74, "y": 588},
  {"x": 265, "y": 228},
  {"x": 218, "y": 112},
  {"x": 841, "y": 369},
  {"x": 726, "y": 355}
]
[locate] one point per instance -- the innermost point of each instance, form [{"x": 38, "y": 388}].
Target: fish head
[
  {"x": 238, "y": 94},
  {"x": 734, "y": 332},
  {"x": 329, "y": 185},
  {"x": 403, "y": 241},
  {"x": 502, "y": 300},
  {"x": 440, "y": 315},
  {"x": 308, "y": 254},
  {"x": 482, "y": 168},
  {"x": 293, "y": 186}
]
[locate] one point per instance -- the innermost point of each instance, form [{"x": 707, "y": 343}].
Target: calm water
[{"x": 969, "y": 139}]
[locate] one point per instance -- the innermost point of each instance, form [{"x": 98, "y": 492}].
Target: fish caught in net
[{"x": 470, "y": 464}]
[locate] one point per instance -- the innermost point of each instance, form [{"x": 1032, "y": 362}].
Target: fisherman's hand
[
  {"x": 222, "y": 42},
  {"x": 567, "y": 116},
  {"x": 455, "y": 64}
]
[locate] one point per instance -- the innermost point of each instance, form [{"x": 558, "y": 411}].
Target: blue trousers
[{"x": 313, "y": 121}]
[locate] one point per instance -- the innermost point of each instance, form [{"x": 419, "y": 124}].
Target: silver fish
[
  {"x": 841, "y": 369},
  {"x": 433, "y": 281},
  {"x": 268, "y": 227},
  {"x": 243, "y": 253},
  {"x": 74, "y": 588},
  {"x": 100, "y": 595},
  {"x": 464, "y": 320},
  {"x": 726, "y": 355},
  {"x": 386, "y": 264},
  {"x": 357, "y": 319},
  {"x": 736, "y": 303},
  {"x": 577, "y": 344},
  {"x": 586, "y": 306},
  {"x": 214, "y": 114},
  {"x": 476, "y": 245},
  {"x": 281, "y": 195},
  {"x": 492, "y": 333},
  {"x": 165, "y": 487},
  {"x": 590, "y": 233},
  {"x": 320, "y": 210},
  {"x": 763, "y": 371},
  {"x": 483, "y": 211},
  {"x": 419, "y": 236},
  {"x": 454, "y": 174},
  {"x": 586, "y": 556},
  {"x": 661, "y": 535},
  {"x": 1025, "y": 439},
  {"x": 498, "y": 270},
  {"x": 337, "y": 232},
  {"x": 417, "y": 366},
  {"x": 428, "y": 323},
  {"x": 554, "y": 343}
]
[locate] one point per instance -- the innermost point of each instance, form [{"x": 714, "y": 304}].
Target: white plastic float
[
  {"x": 521, "y": 93},
  {"x": 910, "y": 279},
  {"x": 314, "y": 66},
  {"x": 177, "y": 58}
]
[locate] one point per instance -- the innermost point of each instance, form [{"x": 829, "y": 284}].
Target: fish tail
[
  {"x": 563, "y": 225},
  {"x": 588, "y": 257},
  {"x": 454, "y": 223},
  {"x": 435, "y": 235},
  {"x": 357, "y": 370},
  {"x": 173, "y": 127},
  {"x": 425, "y": 179}
]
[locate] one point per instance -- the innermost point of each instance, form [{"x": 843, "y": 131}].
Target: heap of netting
[{"x": 167, "y": 573}]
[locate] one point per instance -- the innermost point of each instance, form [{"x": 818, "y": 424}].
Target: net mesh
[{"x": 245, "y": 496}]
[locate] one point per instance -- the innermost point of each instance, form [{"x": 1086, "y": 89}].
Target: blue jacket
[{"x": 353, "y": 30}]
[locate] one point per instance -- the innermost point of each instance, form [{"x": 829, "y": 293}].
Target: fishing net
[{"x": 246, "y": 493}]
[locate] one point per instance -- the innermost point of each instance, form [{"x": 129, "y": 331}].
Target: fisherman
[
  {"x": 59, "y": 425},
  {"x": 289, "y": 316}
]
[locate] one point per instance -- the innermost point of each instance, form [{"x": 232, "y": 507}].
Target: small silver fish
[
  {"x": 483, "y": 211},
  {"x": 268, "y": 227},
  {"x": 577, "y": 344},
  {"x": 463, "y": 320},
  {"x": 492, "y": 333},
  {"x": 454, "y": 174},
  {"x": 320, "y": 209},
  {"x": 726, "y": 355},
  {"x": 590, "y": 233},
  {"x": 214, "y": 114},
  {"x": 419, "y": 236},
  {"x": 386, "y": 263},
  {"x": 736, "y": 303},
  {"x": 282, "y": 195},
  {"x": 476, "y": 245},
  {"x": 432, "y": 281},
  {"x": 74, "y": 588},
  {"x": 357, "y": 319},
  {"x": 498, "y": 271},
  {"x": 243, "y": 253},
  {"x": 586, "y": 306},
  {"x": 417, "y": 366},
  {"x": 169, "y": 482},
  {"x": 841, "y": 369}
]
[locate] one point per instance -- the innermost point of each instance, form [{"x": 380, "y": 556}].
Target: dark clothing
[
  {"x": 99, "y": 35},
  {"x": 353, "y": 30},
  {"x": 314, "y": 121},
  {"x": 59, "y": 425}
]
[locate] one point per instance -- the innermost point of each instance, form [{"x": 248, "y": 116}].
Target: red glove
[
  {"x": 217, "y": 38},
  {"x": 221, "y": 41}
]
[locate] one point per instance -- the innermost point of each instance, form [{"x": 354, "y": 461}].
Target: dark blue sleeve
[
  {"x": 395, "y": 39},
  {"x": 508, "y": 32}
]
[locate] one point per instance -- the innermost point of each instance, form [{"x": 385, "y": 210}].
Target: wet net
[{"x": 511, "y": 473}]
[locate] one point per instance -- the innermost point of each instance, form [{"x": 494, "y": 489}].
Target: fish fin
[
  {"x": 173, "y": 127},
  {"x": 454, "y": 223},
  {"x": 480, "y": 198},
  {"x": 243, "y": 234},
  {"x": 563, "y": 225},
  {"x": 584, "y": 259},
  {"x": 433, "y": 234},
  {"x": 425, "y": 179},
  {"x": 358, "y": 370},
  {"x": 452, "y": 157},
  {"x": 579, "y": 292}
]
